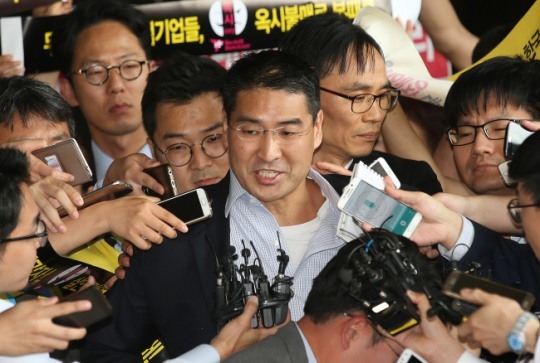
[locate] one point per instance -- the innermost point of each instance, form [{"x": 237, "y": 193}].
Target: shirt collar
[{"x": 236, "y": 190}]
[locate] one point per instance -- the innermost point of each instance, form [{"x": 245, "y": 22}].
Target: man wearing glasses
[
  {"x": 479, "y": 105},
  {"x": 104, "y": 55},
  {"x": 355, "y": 95}
]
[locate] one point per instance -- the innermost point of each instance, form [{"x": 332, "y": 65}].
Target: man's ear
[
  {"x": 153, "y": 65},
  {"x": 225, "y": 128},
  {"x": 317, "y": 129},
  {"x": 354, "y": 329},
  {"x": 66, "y": 90}
]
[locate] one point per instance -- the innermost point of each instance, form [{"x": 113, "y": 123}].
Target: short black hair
[
  {"x": 508, "y": 80},
  {"x": 13, "y": 173},
  {"x": 27, "y": 97},
  {"x": 326, "y": 40},
  {"x": 275, "y": 70},
  {"x": 525, "y": 166},
  {"x": 179, "y": 80},
  {"x": 92, "y": 12}
]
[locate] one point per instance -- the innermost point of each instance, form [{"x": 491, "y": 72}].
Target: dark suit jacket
[{"x": 286, "y": 346}]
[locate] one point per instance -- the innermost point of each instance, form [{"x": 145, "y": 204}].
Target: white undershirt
[{"x": 298, "y": 236}]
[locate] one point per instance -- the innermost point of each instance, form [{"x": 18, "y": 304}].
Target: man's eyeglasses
[
  {"x": 284, "y": 134},
  {"x": 41, "y": 235},
  {"x": 362, "y": 103},
  {"x": 180, "y": 154},
  {"x": 97, "y": 74},
  {"x": 515, "y": 209},
  {"x": 494, "y": 130}
]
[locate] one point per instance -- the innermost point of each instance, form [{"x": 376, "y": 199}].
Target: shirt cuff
[
  {"x": 462, "y": 245},
  {"x": 203, "y": 353}
]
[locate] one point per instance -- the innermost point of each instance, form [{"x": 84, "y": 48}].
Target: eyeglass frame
[
  {"x": 516, "y": 120},
  {"x": 375, "y": 97},
  {"x": 39, "y": 235},
  {"x": 516, "y": 216},
  {"x": 263, "y": 132},
  {"x": 164, "y": 152},
  {"x": 84, "y": 71}
]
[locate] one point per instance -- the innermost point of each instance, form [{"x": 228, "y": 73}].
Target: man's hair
[
  {"x": 92, "y": 12},
  {"x": 274, "y": 70},
  {"x": 27, "y": 97},
  {"x": 13, "y": 172},
  {"x": 525, "y": 166},
  {"x": 179, "y": 80},
  {"x": 325, "y": 41},
  {"x": 509, "y": 81},
  {"x": 330, "y": 296}
]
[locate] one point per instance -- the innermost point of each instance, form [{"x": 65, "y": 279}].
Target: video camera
[{"x": 379, "y": 271}]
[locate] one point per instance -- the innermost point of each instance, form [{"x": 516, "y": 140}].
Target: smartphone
[
  {"x": 369, "y": 204},
  {"x": 381, "y": 167},
  {"x": 66, "y": 156},
  {"x": 111, "y": 191},
  {"x": 410, "y": 356},
  {"x": 458, "y": 280},
  {"x": 515, "y": 135},
  {"x": 190, "y": 207},
  {"x": 164, "y": 175},
  {"x": 503, "y": 170},
  {"x": 101, "y": 309}
]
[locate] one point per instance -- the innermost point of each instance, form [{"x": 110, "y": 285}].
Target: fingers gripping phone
[
  {"x": 164, "y": 175},
  {"x": 515, "y": 135},
  {"x": 368, "y": 204},
  {"x": 111, "y": 191},
  {"x": 458, "y": 280},
  {"x": 66, "y": 156},
  {"x": 190, "y": 207},
  {"x": 101, "y": 309},
  {"x": 383, "y": 169}
]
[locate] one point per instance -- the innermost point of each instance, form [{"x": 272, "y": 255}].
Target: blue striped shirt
[{"x": 251, "y": 221}]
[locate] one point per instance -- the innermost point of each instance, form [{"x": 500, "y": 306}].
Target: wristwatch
[{"x": 516, "y": 338}]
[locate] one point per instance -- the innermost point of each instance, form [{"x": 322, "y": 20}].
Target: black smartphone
[
  {"x": 458, "y": 280},
  {"x": 164, "y": 175},
  {"x": 515, "y": 135},
  {"x": 111, "y": 191},
  {"x": 190, "y": 207},
  {"x": 101, "y": 309},
  {"x": 66, "y": 156}
]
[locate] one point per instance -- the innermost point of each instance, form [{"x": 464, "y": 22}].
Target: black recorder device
[{"x": 236, "y": 283}]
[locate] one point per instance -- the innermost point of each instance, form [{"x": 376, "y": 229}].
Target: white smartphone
[
  {"x": 381, "y": 167},
  {"x": 368, "y": 204},
  {"x": 515, "y": 135},
  {"x": 190, "y": 207},
  {"x": 503, "y": 170},
  {"x": 410, "y": 356}
]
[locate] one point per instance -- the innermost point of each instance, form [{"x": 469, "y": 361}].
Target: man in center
[{"x": 274, "y": 126}]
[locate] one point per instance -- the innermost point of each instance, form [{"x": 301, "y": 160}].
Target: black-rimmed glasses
[
  {"x": 362, "y": 103},
  {"x": 180, "y": 154},
  {"x": 97, "y": 75},
  {"x": 41, "y": 235},
  {"x": 515, "y": 209},
  {"x": 493, "y": 130}
]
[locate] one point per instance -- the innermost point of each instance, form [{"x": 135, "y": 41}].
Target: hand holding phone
[
  {"x": 190, "y": 207},
  {"x": 368, "y": 204},
  {"x": 515, "y": 135},
  {"x": 66, "y": 156},
  {"x": 164, "y": 175},
  {"x": 101, "y": 309},
  {"x": 410, "y": 356}
]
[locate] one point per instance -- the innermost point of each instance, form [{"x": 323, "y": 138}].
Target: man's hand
[
  {"x": 49, "y": 194},
  {"x": 439, "y": 224},
  {"x": 491, "y": 324},
  {"x": 238, "y": 334},
  {"x": 130, "y": 170},
  {"x": 10, "y": 67},
  {"x": 27, "y": 328}
]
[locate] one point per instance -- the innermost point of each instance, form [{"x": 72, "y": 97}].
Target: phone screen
[
  {"x": 185, "y": 206},
  {"x": 373, "y": 206}
]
